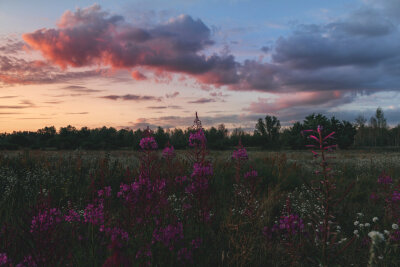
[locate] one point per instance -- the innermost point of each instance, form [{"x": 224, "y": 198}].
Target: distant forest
[{"x": 267, "y": 134}]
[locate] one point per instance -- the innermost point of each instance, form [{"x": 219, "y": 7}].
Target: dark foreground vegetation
[
  {"x": 200, "y": 208},
  {"x": 267, "y": 134}
]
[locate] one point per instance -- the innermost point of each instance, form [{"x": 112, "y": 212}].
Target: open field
[{"x": 94, "y": 208}]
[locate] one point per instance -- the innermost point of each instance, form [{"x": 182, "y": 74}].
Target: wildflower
[
  {"x": 148, "y": 143},
  {"x": 396, "y": 196},
  {"x": 376, "y": 237},
  {"x": 395, "y": 226},
  {"x": 3, "y": 258},
  {"x": 240, "y": 154},
  {"x": 251, "y": 174},
  {"x": 356, "y": 223},
  {"x": 386, "y": 232},
  {"x": 355, "y": 232},
  {"x": 197, "y": 138},
  {"x": 375, "y": 219},
  {"x": 168, "y": 152},
  {"x": 202, "y": 170},
  {"x": 291, "y": 223},
  {"x": 384, "y": 179},
  {"x": 367, "y": 225}
]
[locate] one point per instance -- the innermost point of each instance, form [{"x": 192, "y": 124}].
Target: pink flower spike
[
  {"x": 313, "y": 137},
  {"x": 329, "y": 135}
]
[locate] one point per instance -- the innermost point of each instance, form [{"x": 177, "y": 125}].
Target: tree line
[{"x": 268, "y": 134}]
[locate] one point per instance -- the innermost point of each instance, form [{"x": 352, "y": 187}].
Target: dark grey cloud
[
  {"x": 202, "y": 101},
  {"x": 172, "y": 95},
  {"x": 130, "y": 97}
]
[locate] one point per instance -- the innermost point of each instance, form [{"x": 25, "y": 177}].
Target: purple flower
[
  {"x": 384, "y": 179},
  {"x": 197, "y": 138},
  {"x": 251, "y": 174},
  {"x": 94, "y": 214},
  {"x": 202, "y": 170},
  {"x": 148, "y": 143},
  {"x": 72, "y": 216},
  {"x": 168, "y": 152},
  {"x": 45, "y": 220},
  {"x": 291, "y": 224},
  {"x": 240, "y": 154},
  {"x": 168, "y": 235},
  {"x": 3, "y": 258},
  {"x": 396, "y": 196}
]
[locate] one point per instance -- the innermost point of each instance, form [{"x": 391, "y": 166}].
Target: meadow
[{"x": 166, "y": 207}]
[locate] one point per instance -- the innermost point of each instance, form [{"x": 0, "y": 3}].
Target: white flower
[
  {"x": 376, "y": 236},
  {"x": 360, "y": 214},
  {"x": 386, "y": 232},
  {"x": 356, "y": 223},
  {"x": 355, "y": 232},
  {"x": 395, "y": 226},
  {"x": 361, "y": 225},
  {"x": 367, "y": 225},
  {"x": 375, "y": 219}
]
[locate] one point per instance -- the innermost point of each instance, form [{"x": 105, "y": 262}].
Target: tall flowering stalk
[
  {"x": 324, "y": 187},
  {"x": 202, "y": 170}
]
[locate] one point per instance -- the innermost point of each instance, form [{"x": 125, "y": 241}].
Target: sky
[{"x": 133, "y": 64}]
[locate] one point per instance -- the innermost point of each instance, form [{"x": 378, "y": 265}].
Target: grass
[{"x": 241, "y": 213}]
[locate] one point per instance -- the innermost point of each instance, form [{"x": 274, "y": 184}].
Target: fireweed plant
[{"x": 324, "y": 232}]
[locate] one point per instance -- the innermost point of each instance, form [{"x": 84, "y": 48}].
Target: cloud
[
  {"x": 357, "y": 52},
  {"x": 82, "y": 89},
  {"x": 22, "y": 105},
  {"x": 77, "y": 113},
  {"x": 138, "y": 76},
  {"x": 202, "y": 101},
  {"x": 92, "y": 37},
  {"x": 15, "y": 70},
  {"x": 172, "y": 95},
  {"x": 130, "y": 97},
  {"x": 8, "y": 96}
]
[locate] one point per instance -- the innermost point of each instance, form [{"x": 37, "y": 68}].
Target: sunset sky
[{"x": 138, "y": 63}]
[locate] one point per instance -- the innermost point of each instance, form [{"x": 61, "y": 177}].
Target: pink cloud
[
  {"x": 138, "y": 76},
  {"x": 92, "y": 37}
]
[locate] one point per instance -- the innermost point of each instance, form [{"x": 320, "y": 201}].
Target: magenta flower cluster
[
  {"x": 45, "y": 220},
  {"x": 168, "y": 235},
  {"x": 94, "y": 213},
  {"x": 385, "y": 179},
  {"x": 202, "y": 170},
  {"x": 240, "y": 154},
  {"x": 251, "y": 174},
  {"x": 104, "y": 192},
  {"x": 148, "y": 143},
  {"x": 197, "y": 138},
  {"x": 117, "y": 234},
  {"x": 72, "y": 216},
  {"x": 3, "y": 259},
  {"x": 291, "y": 224},
  {"x": 168, "y": 152},
  {"x": 396, "y": 196}
]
